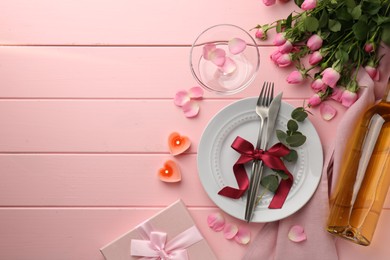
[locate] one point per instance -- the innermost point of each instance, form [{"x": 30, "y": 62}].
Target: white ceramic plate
[{"x": 216, "y": 159}]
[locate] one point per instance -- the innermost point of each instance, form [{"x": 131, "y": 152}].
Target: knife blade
[{"x": 273, "y": 115}]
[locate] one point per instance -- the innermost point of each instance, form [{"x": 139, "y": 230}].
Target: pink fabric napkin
[{"x": 272, "y": 243}]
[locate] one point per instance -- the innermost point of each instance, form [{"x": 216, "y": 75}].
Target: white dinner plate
[{"x": 216, "y": 159}]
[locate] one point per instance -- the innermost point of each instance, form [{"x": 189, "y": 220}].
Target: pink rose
[
  {"x": 314, "y": 100},
  {"x": 373, "y": 72},
  {"x": 369, "y": 47},
  {"x": 330, "y": 77},
  {"x": 279, "y": 39},
  {"x": 337, "y": 92},
  {"x": 315, "y": 57},
  {"x": 286, "y": 47},
  {"x": 284, "y": 60},
  {"x": 295, "y": 77},
  {"x": 309, "y": 4},
  {"x": 348, "y": 98},
  {"x": 314, "y": 42},
  {"x": 260, "y": 34},
  {"x": 318, "y": 85},
  {"x": 275, "y": 56},
  {"x": 269, "y": 2}
]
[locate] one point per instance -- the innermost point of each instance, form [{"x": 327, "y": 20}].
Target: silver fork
[{"x": 262, "y": 109}]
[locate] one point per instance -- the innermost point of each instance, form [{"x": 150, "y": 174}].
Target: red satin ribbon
[{"x": 270, "y": 158}]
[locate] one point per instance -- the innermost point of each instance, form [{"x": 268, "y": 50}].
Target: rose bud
[
  {"x": 330, "y": 77},
  {"x": 284, "y": 60},
  {"x": 286, "y": 47},
  {"x": 348, "y": 98},
  {"x": 269, "y": 2},
  {"x": 309, "y": 4},
  {"x": 314, "y": 42},
  {"x": 314, "y": 100},
  {"x": 318, "y": 85},
  {"x": 260, "y": 34},
  {"x": 373, "y": 72},
  {"x": 295, "y": 77},
  {"x": 279, "y": 39},
  {"x": 369, "y": 47},
  {"x": 315, "y": 57}
]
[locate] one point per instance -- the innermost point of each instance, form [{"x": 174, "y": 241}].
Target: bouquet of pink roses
[{"x": 329, "y": 41}]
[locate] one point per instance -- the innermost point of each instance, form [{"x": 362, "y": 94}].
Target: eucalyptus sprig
[{"x": 292, "y": 138}]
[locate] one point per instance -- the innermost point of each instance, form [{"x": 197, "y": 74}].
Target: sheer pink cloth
[{"x": 272, "y": 243}]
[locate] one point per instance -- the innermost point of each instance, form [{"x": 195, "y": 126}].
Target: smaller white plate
[{"x": 216, "y": 159}]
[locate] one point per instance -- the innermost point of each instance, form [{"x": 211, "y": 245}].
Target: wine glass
[{"x": 242, "y": 68}]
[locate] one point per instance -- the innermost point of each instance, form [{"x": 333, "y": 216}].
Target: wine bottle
[{"x": 364, "y": 178}]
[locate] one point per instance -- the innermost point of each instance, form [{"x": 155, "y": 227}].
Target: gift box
[{"x": 170, "y": 234}]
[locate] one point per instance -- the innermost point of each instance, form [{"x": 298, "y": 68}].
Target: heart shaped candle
[
  {"x": 178, "y": 144},
  {"x": 170, "y": 172}
]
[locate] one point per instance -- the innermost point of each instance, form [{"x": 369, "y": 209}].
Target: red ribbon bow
[{"x": 270, "y": 158}]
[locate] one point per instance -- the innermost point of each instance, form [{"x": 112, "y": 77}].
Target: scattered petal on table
[
  {"x": 327, "y": 111},
  {"x": 178, "y": 144},
  {"x": 181, "y": 98},
  {"x": 297, "y": 234},
  {"x": 217, "y": 56},
  {"x": 196, "y": 92},
  {"x": 170, "y": 172},
  {"x": 236, "y": 45},
  {"x": 230, "y": 230},
  {"x": 191, "y": 109},
  {"x": 216, "y": 221},
  {"x": 229, "y": 66},
  {"x": 243, "y": 236}
]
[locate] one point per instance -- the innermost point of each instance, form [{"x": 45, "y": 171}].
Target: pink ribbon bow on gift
[{"x": 157, "y": 247}]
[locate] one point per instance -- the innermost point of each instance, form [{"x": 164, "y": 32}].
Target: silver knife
[{"x": 272, "y": 116}]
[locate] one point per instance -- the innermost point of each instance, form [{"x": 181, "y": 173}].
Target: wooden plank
[
  {"x": 117, "y": 72},
  {"x": 108, "y": 126},
  {"x": 78, "y": 233},
  {"x": 97, "y": 180},
  {"x": 103, "y": 22}
]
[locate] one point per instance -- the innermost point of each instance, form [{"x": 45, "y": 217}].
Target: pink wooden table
[{"x": 80, "y": 82}]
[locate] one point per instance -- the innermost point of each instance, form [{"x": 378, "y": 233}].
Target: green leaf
[
  {"x": 386, "y": 34},
  {"x": 292, "y": 125},
  {"x": 342, "y": 55},
  {"x": 292, "y": 156},
  {"x": 299, "y": 114},
  {"x": 356, "y": 12},
  {"x": 289, "y": 21},
  {"x": 372, "y": 7},
  {"x": 279, "y": 27},
  {"x": 281, "y": 136},
  {"x": 334, "y": 25},
  {"x": 343, "y": 14},
  {"x": 270, "y": 182},
  {"x": 296, "y": 140},
  {"x": 350, "y": 3},
  {"x": 281, "y": 174},
  {"x": 311, "y": 24},
  {"x": 381, "y": 20},
  {"x": 360, "y": 29},
  {"x": 323, "y": 21}
]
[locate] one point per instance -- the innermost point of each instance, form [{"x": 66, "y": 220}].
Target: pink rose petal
[
  {"x": 297, "y": 234},
  {"x": 229, "y": 66},
  {"x": 207, "y": 49},
  {"x": 327, "y": 111},
  {"x": 181, "y": 98},
  {"x": 243, "y": 236},
  {"x": 216, "y": 221},
  {"x": 191, "y": 108},
  {"x": 218, "y": 56},
  {"x": 195, "y": 92},
  {"x": 230, "y": 231},
  {"x": 236, "y": 45}
]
